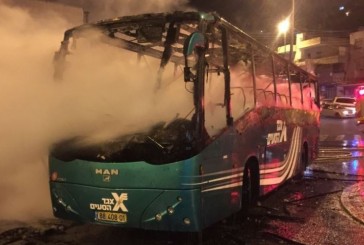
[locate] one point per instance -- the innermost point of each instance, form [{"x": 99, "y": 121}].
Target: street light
[
  {"x": 283, "y": 27},
  {"x": 288, "y": 24}
]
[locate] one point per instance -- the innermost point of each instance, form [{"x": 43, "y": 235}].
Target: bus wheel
[{"x": 251, "y": 184}]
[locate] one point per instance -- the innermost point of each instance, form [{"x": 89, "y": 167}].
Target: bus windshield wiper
[{"x": 157, "y": 143}]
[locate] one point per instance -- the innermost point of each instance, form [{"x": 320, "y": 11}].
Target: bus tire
[{"x": 251, "y": 184}]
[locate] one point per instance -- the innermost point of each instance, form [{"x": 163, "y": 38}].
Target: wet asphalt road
[{"x": 306, "y": 210}]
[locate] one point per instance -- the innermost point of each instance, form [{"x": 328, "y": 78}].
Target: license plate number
[{"x": 111, "y": 217}]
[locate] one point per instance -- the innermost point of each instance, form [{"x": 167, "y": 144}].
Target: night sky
[
  {"x": 315, "y": 17},
  {"x": 256, "y": 15},
  {"x": 260, "y": 17}
]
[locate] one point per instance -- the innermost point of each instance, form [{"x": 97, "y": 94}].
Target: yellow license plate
[{"x": 111, "y": 217}]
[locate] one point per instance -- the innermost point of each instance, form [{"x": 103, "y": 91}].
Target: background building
[
  {"x": 338, "y": 62},
  {"x": 355, "y": 64}
]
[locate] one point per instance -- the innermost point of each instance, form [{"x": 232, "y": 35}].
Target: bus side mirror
[{"x": 193, "y": 45}]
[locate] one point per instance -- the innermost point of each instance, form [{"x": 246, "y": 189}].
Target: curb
[{"x": 352, "y": 200}]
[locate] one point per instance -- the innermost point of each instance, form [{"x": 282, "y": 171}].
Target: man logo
[
  {"x": 106, "y": 173},
  {"x": 106, "y": 178}
]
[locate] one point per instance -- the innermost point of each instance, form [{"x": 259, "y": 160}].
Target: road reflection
[
  {"x": 354, "y": 167},
  {"x": 308, "y": 172},
  {"x": 353, "y": 143}
]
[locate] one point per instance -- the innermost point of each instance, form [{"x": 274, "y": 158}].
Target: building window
[{"x": 358, "y": 44}]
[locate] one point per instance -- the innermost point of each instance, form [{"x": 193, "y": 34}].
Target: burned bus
[{"x": 235, "y": 121}]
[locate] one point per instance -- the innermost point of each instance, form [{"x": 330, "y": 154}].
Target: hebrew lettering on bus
[
  {"x": 114, "y": 204},
  {"x": 280, "y": 135}
]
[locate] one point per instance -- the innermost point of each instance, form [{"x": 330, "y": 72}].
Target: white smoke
[
  {"x": 110, "y": 8},
  {"x": 107, "y": 92},
  {"x": 135, "y": 7}
]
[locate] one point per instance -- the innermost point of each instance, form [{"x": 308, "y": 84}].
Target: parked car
[
  {"x": 339, "y": 107},
  {"x": 345, "y": 101}
]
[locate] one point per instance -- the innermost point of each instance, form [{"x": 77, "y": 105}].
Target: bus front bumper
[{"x": 151, "y": 209}]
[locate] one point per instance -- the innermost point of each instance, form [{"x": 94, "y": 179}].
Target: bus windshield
[
  {"x": 165, "y": 142},
  {"x": 147, "y": 52}
]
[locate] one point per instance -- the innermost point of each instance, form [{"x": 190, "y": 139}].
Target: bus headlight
[
  {"x": 170, "y": 210},
  {"x": 186, "y": 221},
  {"x": 158, "y": 217}
]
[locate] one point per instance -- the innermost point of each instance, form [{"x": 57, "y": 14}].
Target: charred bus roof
[
  {"x": 145, "y": 34},
  {"x": 143, "y": 20},
  {"x": 148, "y": 34}
]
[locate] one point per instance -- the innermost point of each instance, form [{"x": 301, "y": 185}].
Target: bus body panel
[
  {"x": 222, "y": 174},
  {"x": 128, "y": 175},
  {"x": 133, "y": 208},
  {"x": 209, "y": 184}
]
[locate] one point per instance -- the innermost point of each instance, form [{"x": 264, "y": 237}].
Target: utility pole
[{"x": 291, "y": 58}]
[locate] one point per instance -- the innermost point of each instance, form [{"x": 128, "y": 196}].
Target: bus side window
[
  {"x": 314, "y": 99},
  {"x": 264, "y": 77},
  {"x": 241, "y": 79},
  {"x": 295, "y": 77},
  {"x": 281, "y": 78},
  {"x": 309, "y": 94}
]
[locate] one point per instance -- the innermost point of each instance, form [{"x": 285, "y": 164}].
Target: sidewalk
[{"x": 352, "y": 199}]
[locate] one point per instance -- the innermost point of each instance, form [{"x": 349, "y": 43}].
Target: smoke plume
[{"x": 113, "y": 8}]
